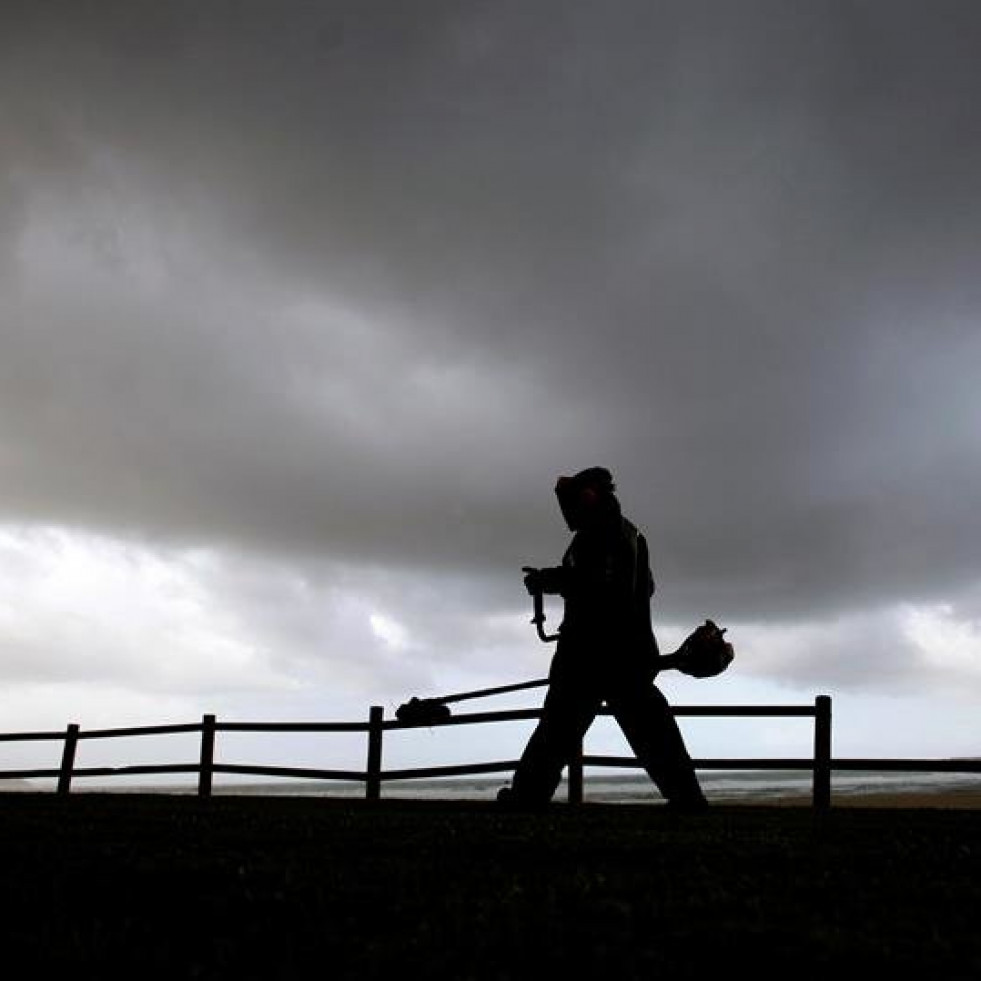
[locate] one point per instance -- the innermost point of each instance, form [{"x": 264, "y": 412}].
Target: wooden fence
[{"x": 821, "y": 764}]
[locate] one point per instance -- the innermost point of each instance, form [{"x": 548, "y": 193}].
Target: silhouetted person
[{"x": 606, "y": 652}]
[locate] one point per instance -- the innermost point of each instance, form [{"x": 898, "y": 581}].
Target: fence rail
[{"x": 821, "y": 764}]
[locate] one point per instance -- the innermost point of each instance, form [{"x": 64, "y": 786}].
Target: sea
[
  {"x": 723, "y": 786},
  {"x": 610, "y": 786},
  {"x": 729, "y": 785}
]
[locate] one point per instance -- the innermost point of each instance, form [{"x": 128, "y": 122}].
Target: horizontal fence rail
[{"x": 820, "y": 764}]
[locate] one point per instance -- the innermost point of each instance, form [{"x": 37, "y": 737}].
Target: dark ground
[{"x": 147, "y": 886}]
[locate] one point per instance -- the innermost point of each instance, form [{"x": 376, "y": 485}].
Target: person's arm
[
  {"x": 668, "y": 662},
  {"x": 598, "y": 579}
]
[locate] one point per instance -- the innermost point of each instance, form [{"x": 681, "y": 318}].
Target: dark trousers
[{"x": 575, "y": 696}]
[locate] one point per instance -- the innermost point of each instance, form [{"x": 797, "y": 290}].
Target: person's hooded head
[{"x": 587, "y": 499}]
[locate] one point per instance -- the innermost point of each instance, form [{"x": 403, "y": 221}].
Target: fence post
[
  {"x": 207, "y": 755},
  {"x": 575, "y": 775},
  {"x": 373, "y": 775},
  {"x": 68, "y": 759},
  {"x": 822, "y": 752}
]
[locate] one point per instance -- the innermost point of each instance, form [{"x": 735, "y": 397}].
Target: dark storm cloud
[{"x": 361, "y": 278}]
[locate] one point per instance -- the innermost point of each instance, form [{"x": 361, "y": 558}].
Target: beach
[
  {"x": 967, "y": 799},
  {"x": 174, "y": 886}
]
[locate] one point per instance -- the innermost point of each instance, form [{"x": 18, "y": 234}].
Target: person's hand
[{"x": 533, "y": 579}]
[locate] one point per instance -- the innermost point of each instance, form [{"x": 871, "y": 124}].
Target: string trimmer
[{"x": 704, "y": 653}]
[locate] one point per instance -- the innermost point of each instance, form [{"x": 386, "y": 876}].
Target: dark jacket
[{"x": 606, "y": 582}]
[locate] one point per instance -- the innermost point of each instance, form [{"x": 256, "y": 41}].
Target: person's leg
[
  {"x": 650, "y": 727},
  {"x": 568, "y": 712}
]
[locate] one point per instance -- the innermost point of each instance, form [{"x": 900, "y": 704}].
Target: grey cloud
[{"x": 728, "y": 250}]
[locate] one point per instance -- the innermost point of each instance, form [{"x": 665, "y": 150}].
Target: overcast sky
[{"x": 304, "y": 306}]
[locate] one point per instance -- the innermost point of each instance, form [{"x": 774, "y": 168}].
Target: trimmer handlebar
[
  {"x": 539, "y": 618},
  {"x": 538, "y": 599}
]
